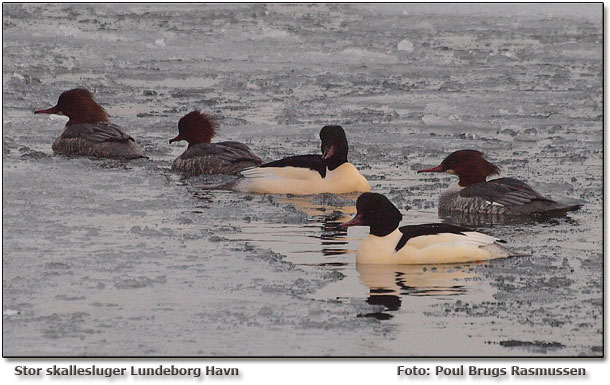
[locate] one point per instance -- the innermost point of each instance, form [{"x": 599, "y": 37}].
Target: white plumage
[
  {"x": 302, "y": 181},
  {"x": 440, "y": 248}
]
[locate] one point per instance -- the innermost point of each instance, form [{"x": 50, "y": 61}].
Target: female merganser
[
  {"x": 88, "y": 131},
  {"x": 502, "y": 196},
  {"x": 431, "y": 243},
  {"x": 308, "y": 174},
  {"x": 203, "y": 157}
]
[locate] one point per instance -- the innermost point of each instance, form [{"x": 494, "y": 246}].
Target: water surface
[{"x": 108, "y": 258}]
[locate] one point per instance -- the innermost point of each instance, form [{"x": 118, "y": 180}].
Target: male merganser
[
  {"x": 88, "y": 131},
  {"x": 203, "y": 157},
  {"x": 502, "y": 196},
  {"x": 431, "y": 243},
  {"x": 308, "y": 174}
]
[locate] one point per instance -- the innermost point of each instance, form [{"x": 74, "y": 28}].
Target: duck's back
[
  {"x": 502, "y": 196},
  {"x": 100, "y": 140},
  {"x": 216, "y": 158}
]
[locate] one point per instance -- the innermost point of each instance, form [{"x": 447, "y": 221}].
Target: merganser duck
[
  {"x": 203, "y": 157},
  {"x": 431, "y": 243},
  {"x": 502, "y": 196},
  {"x": 88, "y": 131},
  {"x": 308, "y": 174}
]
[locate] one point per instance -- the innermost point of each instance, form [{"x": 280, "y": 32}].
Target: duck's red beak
[
  {"x": 438, "y": 168},
  {"x": 176, "y": 139},
  {"x": 52, "y": 110},
  {"x": 329, "y": 152},
  {"x": 358, "y": 220}
]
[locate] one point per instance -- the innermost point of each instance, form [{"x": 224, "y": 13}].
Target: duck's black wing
[
  {"x": 413, "y": 231},
  {"x": 312, "y": 162}
]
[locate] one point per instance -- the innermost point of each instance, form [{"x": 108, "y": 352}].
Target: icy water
[{"x": 108, "y": 258}]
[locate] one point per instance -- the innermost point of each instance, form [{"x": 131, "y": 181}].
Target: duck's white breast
[{"x": 344, "y": 179}]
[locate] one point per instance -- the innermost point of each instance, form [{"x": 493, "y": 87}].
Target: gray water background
[{"x": 108, "y": 258}]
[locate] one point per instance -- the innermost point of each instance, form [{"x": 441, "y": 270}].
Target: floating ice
[{"x": 405, "y": 45}]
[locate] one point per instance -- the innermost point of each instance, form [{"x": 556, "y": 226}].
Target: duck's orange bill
[
  {"x": 52, "y": 110},
  {"x": 358, "y": 220},
  {"x": 438, "y": 168}
]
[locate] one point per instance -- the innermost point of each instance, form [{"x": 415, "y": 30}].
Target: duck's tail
[
  {"x": 561, "y": 207},
  {"x": 497, "y": 250}
]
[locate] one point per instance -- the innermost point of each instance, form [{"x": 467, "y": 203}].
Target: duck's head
[
  {"x": 469, "y": 165},
  {"x": 195, "y": 128},
  {"x": 377, "y": 212},
  {"x": 334, "y": 146},
  {"x": 78, "y": 105}
]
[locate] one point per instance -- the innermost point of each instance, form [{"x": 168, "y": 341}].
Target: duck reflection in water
[
  {"x": 329, "y": 211},
  {"x": 388, "y": 284}
]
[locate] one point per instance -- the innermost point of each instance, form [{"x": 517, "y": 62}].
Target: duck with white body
[
  {"x": 308, "y": 174},
  {"x": 432, "y": 243}
]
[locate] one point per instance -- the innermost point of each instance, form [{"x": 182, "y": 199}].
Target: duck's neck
[
  {"x": 335, "y": 162},
  {"x": 467, "y": 180}
]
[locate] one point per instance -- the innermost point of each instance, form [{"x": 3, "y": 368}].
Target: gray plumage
[
  {"x": 216, "y": 158},
  {"x": 100, "y": 140},
  {"x": 503, "y": 196}
]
